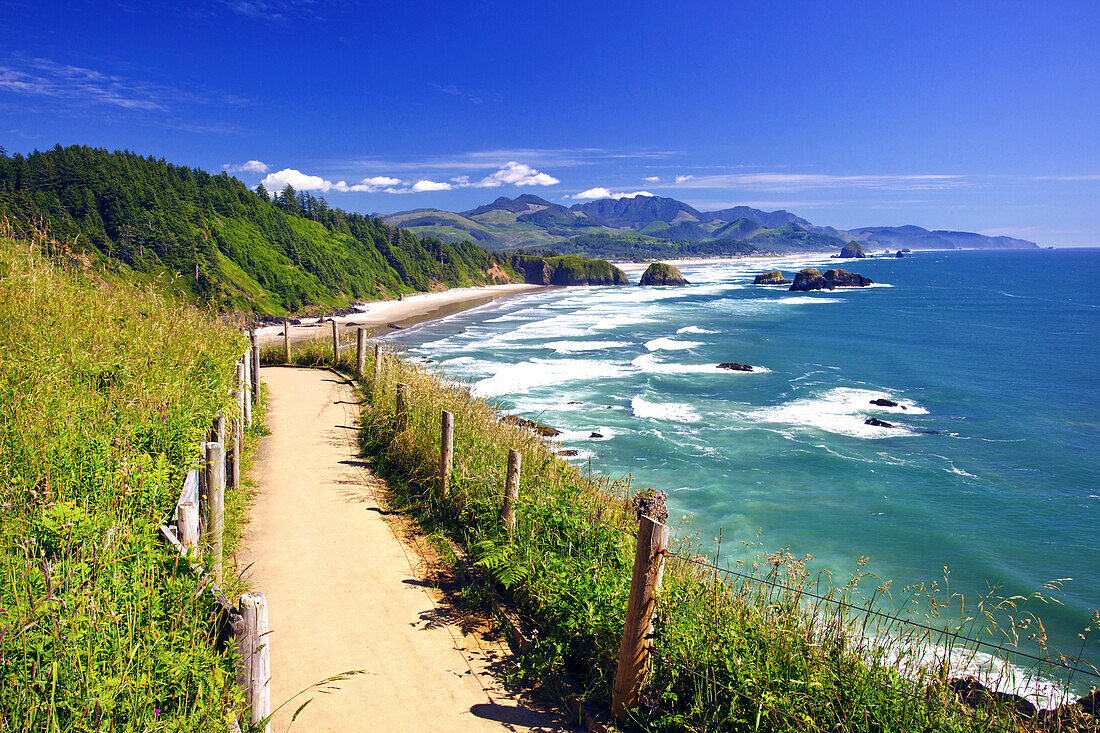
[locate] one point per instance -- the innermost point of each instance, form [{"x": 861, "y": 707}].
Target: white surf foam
[
  {"x": 570, "y": 347},
  {"x": 675, "y": 411},
  {"x": 693, "y": 329},
  {"x": 649, "y": 363},
  {"x": 841, "y": 410},
  {"x": 521, "y": 377},
  {"x": 670, "y": 344}
]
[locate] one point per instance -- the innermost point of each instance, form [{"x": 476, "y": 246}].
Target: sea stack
[
  {"x": 845, "y": 279},
  {"x": 810, "y": 279},
  {"x": 775, "y": 277},
  {"x": 853, "y": 249},
  {"x": 660, "y": 273}
]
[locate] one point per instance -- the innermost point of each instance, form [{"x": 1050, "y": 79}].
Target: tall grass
[
  {"x": 105, "y": 392},
  {"x": 767, "y": 648}
]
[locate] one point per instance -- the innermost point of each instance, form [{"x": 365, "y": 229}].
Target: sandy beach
[{"x": 379, "y": 314}]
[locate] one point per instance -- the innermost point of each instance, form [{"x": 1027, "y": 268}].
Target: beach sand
[{"x": 375, "y": 316}]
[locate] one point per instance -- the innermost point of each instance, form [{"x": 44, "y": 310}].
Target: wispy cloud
[
  {"x": 807, "y": 181},
  {"x": 456, "y": 91},
  {"x": 78, "y": 90},
  {"x": 653, "y": 179},
  {"x": 482, "y": 159},
  {"x": 1082, "y": 177}
]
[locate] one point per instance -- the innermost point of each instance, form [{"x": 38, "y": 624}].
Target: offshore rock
[
  {"x": 775, "y": 277},
  {"x": 735, "y": 366},
  {"x": 809, "y": 279},
  {"x": 845, "y": 279},
  {"x": 543, "y": 430},
  {"x": 883, "y": 402},
  {"x": 875, "y": 422},
  {"x": 852, "y": 249},
  {"x": 977, "y": 695},
  {"x": 660, "y": 273}
]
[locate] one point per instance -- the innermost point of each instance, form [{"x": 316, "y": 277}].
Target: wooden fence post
[
  {"x": 254, "y": 674},
  {"x": 446, "y": 451},
  {"x": 377, "y": 367},
  {"x": 246, "y": 403},
  {"x": 645, "y": 582},
  {"x": 215, "y": 506},
  {"x": 511, "y": 492},
  {"x": 234, "y": 457},
  {"x": 360, "y": 351},
  {"x": 401, "y": 413},
  {"x": 217, "y": 434},
  {"x": 187, "y": 525},
  {"x": 255, "y": 370},
  {"x": 335, "y": 343},
  {"x": 286, "y": 340}
]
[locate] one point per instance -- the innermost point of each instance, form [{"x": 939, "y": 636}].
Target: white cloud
[
  {"x": 605, "y": 193},
  {"x": 304, "y": 182},
  {"x": 426, "y": 185},
  {"x": 653, "y": 179},
  {"x": 518, "y": 174},
  {"x": 250, "y": 166},
  {"x": 807, "y": 181},
  {"x": 461, "y": 180}
]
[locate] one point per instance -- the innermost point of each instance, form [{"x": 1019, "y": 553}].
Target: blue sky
[{"x": 983, "y": 116}]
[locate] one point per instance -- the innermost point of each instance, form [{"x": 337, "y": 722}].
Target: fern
[{"x": 502, "y": 563}]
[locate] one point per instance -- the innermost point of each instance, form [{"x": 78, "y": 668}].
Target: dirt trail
[{"x": 345, "y": 594}]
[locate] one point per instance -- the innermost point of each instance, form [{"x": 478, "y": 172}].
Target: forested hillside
[{"x": 211, "y": 238}]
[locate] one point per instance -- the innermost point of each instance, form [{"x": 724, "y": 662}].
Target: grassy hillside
[
  {"x": 210, "y": 237},
  {"x": 105, "y": 393}
]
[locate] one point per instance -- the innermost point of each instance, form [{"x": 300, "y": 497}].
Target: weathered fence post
[
  {"x": 255, "y": 369},
  {"x": 187, "y": 525},
  {"x": 234, "y": 458},
  {"x": 377, "y": 367},
  {"x": 335, "y": 343},
  {"x": 401, "y": 413},
  {"x": 286, "y": 340},
  {"x": 246, "y": 361},
  {"x": 446, "y": 451},
  {"x": 217, "y": 433},
  {"x": 511, "y": 491},
  {"x": 645, "y": 582},
  {"x": 215, "y": 505},
  {"x": 360, "y": 351},
  {"x": 254, "y": 674}
]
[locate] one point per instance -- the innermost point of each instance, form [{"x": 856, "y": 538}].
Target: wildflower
[{"x": 156, "y": 712}]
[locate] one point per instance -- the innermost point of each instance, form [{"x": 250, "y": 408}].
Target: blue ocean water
[{"x": 991, "y": 469}]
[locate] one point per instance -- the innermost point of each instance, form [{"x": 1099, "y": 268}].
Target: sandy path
[{"x": 343, "y": 592}]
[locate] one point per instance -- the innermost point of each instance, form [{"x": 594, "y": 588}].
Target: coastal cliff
[{"x": 567, "y": 270}]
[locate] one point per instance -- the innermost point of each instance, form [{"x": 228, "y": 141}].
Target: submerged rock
[
  {"x": 809, "y": 279},
  {"x": 853, "y": 249},
  {"x": 735, "y": 366},
  {"x": 875, "y": 422},
  {"x": 775, "y": 277},
  {"x": 660, "y": 273}
]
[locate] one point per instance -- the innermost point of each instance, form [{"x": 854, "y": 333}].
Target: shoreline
[{"x": 376, "y": 315}]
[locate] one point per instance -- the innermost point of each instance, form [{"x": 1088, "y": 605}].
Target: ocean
[{"x": 991, "y": 467}]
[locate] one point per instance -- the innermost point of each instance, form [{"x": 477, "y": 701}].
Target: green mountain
[
  {"x": 648, "y": 227},
  {"x": 210, "y": 238}
]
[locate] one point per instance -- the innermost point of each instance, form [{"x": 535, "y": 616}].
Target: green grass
[
  {"x": 774, "y": 649},
  {"x": 105, "y": 392}
]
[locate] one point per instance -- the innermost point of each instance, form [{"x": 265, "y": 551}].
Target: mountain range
[{"x": 644, "y": 227}]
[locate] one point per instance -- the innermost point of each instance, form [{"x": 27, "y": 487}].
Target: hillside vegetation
[
  {"x": 105, "y": 393},
  {"x": 211, "y": 238}
]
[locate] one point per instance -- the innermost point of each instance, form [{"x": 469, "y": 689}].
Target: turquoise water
[{"x": 991, "y": 470}]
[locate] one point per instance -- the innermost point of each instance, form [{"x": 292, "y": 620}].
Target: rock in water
[
  {"x": 569, "y": 453},
  {"x": 595, "y": 435},
  {"x": 875, "y": 422},
  {"x": 809, "y": 279},
  {"x": 900, "y": 254},
  {"x": 883, "y": 402},
  {"x": 845, "y": 279},
  {"x": 660, "y": 273},
  {"x": 976, "y": 695},
  {"x": 775, "y": 277},
  {"x": 734, "y": 366},
  {"x": 853, "y": 249}
]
